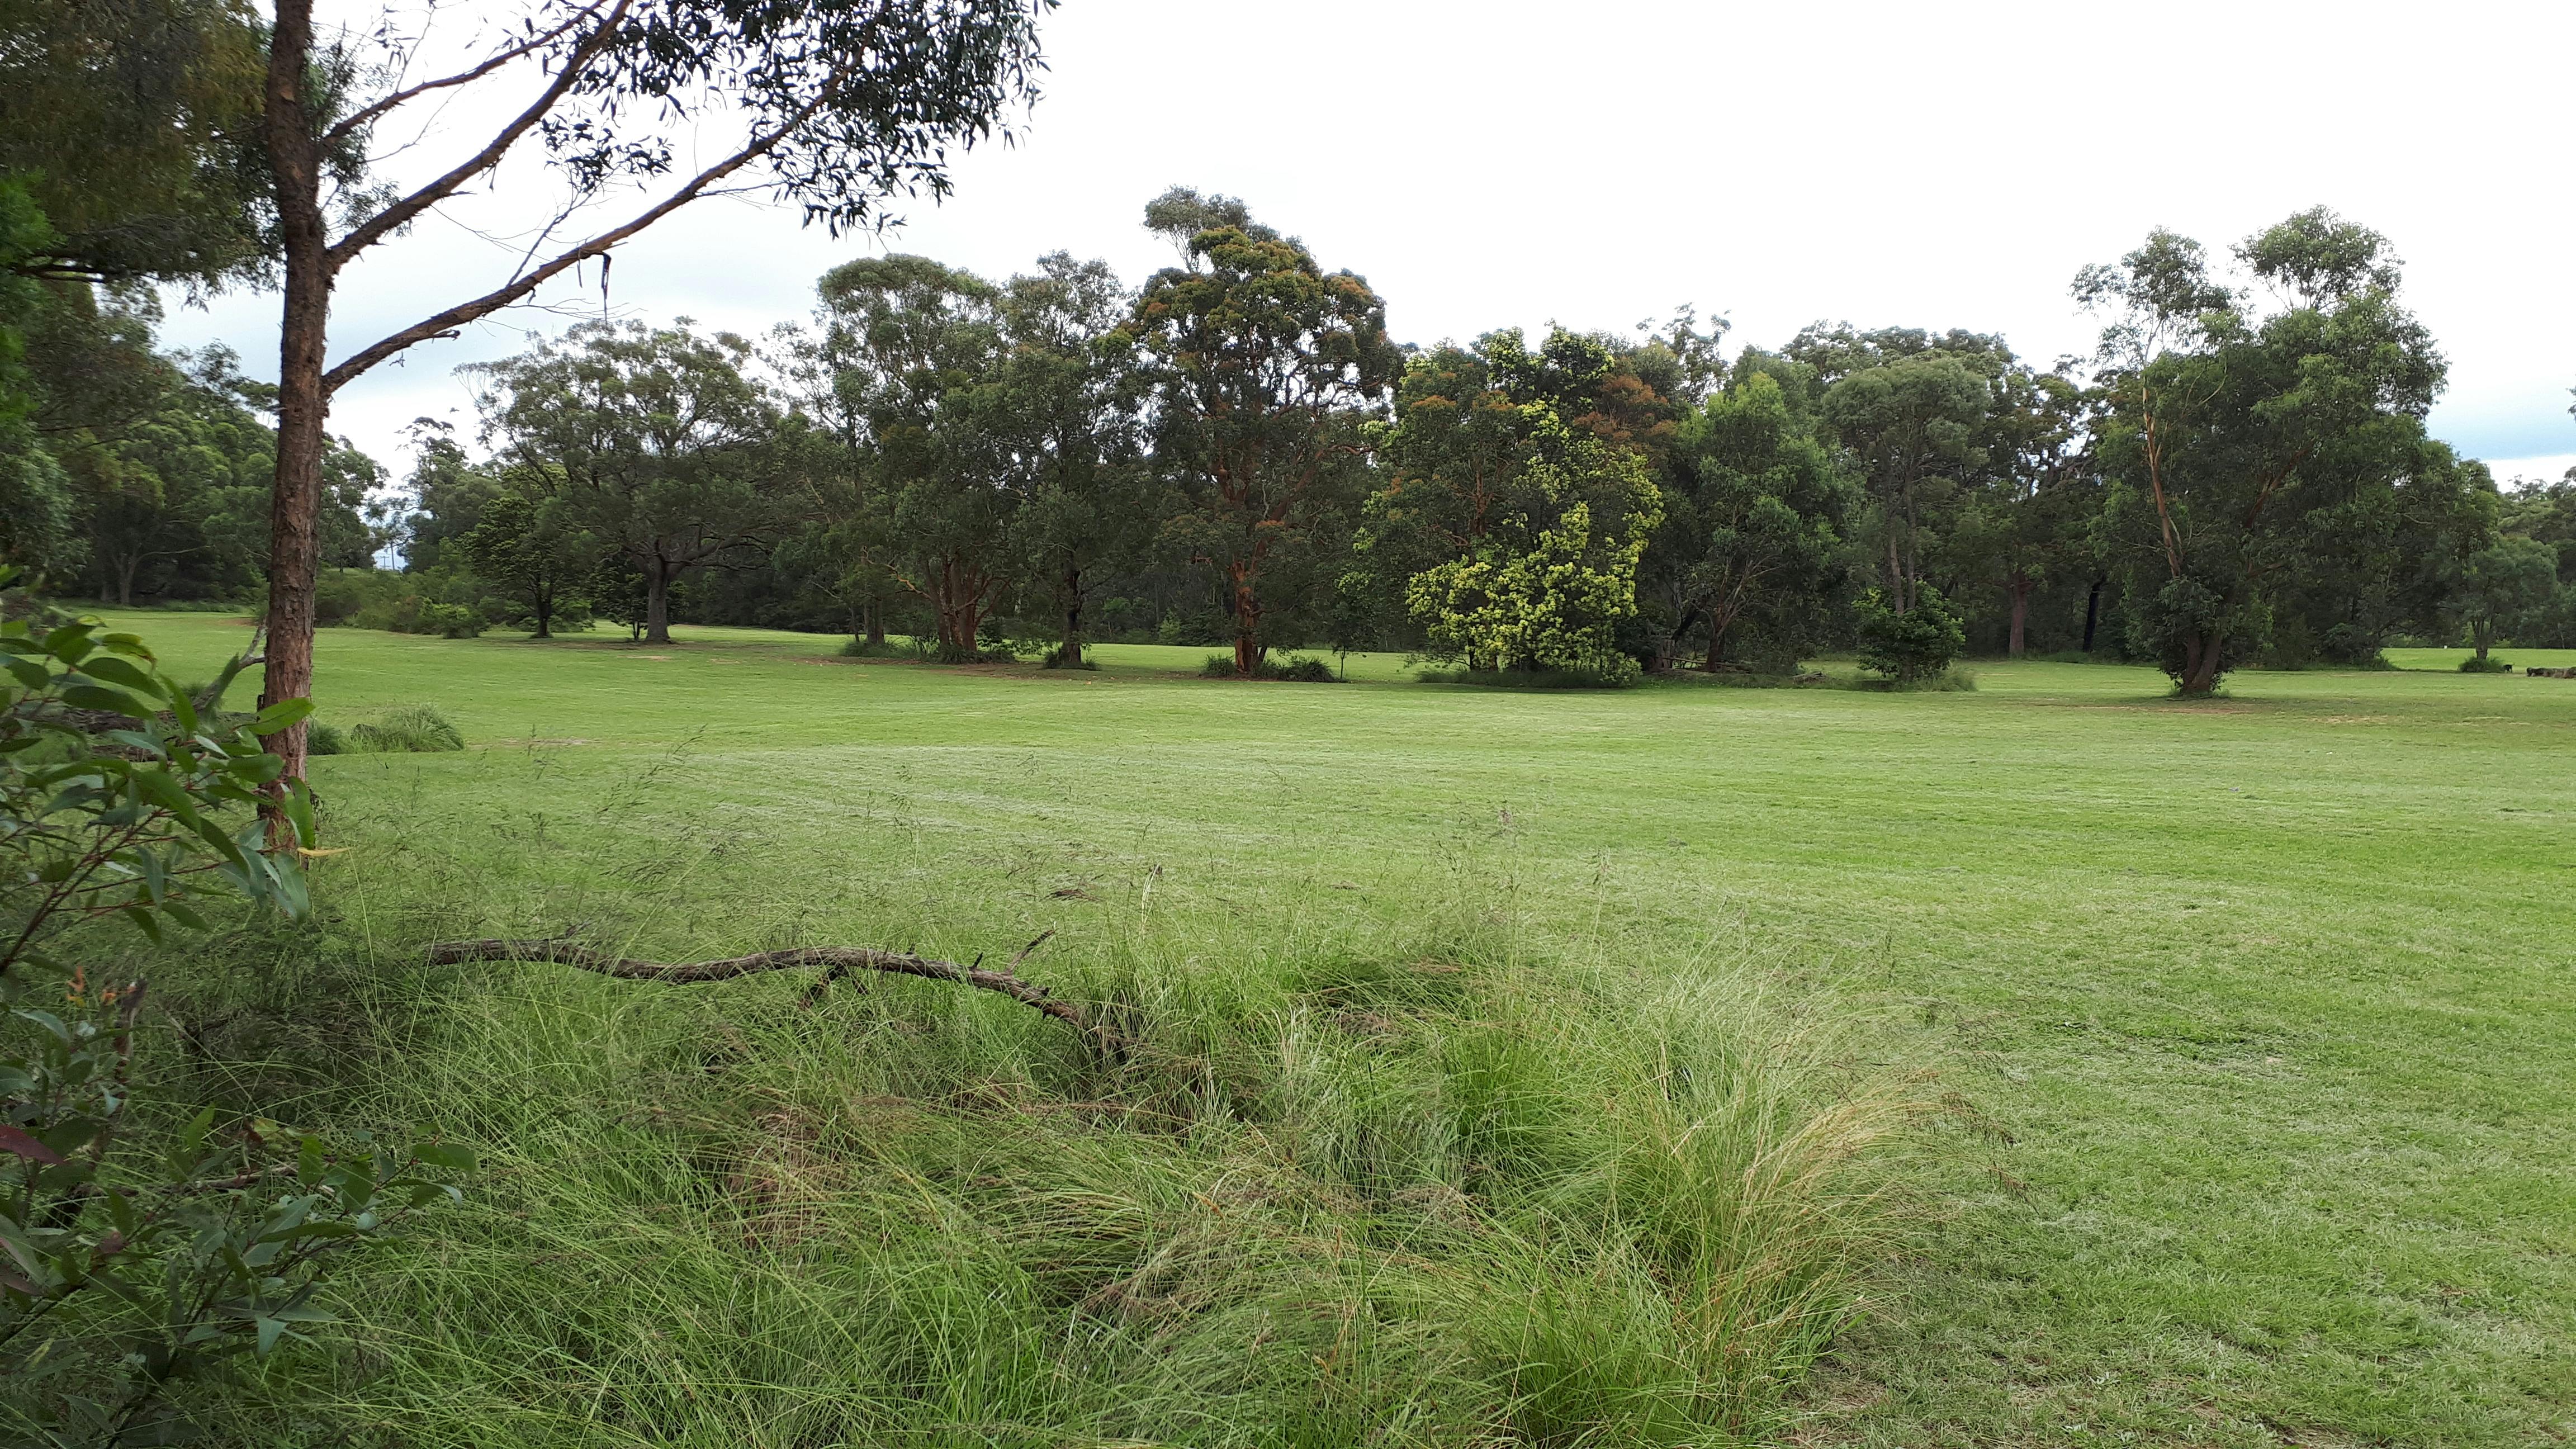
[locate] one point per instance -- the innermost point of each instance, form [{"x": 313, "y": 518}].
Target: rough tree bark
[{"x": 303, "y": 401}]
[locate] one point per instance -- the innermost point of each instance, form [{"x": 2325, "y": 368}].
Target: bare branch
[
  {"x": 837, "y": 961},
  {"x": 600, "y": 245},
  {"x": 465, "y": 77},
  {"x": 383, "y": 223}
]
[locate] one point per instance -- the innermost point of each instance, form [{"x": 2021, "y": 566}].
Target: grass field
[{"x": 2253, "y": 1018}]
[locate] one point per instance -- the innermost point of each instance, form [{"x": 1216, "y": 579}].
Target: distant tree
[
  {"x": 2497, "y": 588},
  {"x": 1070, "y": 392},
  {"x": 2229, "y": 425},
  {"x": 1914, "y": 426},
  {"x": 1517, "y": 535},
  {"x": 2030, "y": 514},
  {"x": 915, "y": 350},
  {"x": 668, "y": 452},
  {"x": 1755, "y": 519},
  {"x": 1265, "y": 366},
  {"x": 530, "y": 545}
]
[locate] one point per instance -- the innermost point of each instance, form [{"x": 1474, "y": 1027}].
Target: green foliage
[
  {"x": 1529, "y": 530},
  {"x": 1752, "y": 535},
  {"x": 531, "y": 548},
  {"x": 1911, "y": 646},
  {"x": 127, "y": 1266},
  {"x": 133, "y": 826}
]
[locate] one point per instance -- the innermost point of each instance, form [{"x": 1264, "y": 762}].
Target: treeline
[{"x": 1237, "y": 454}]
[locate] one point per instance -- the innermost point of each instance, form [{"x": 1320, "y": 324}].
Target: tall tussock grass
[{"x": 1449, "y": 1191}]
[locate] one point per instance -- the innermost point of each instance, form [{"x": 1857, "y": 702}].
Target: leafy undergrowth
[{"x": 1330, "y": 1200}]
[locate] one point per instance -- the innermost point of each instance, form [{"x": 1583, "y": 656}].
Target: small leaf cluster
[{"x": 121, "y": 796}]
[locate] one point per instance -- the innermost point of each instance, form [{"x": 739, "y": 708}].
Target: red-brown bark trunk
[{"x": 303, "y": 402}]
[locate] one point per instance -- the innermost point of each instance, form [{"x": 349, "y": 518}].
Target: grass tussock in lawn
[{"x": 1433, "y": 1198}]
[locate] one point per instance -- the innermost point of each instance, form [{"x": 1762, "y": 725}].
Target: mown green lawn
[{"x": 2258, "y": 1015}]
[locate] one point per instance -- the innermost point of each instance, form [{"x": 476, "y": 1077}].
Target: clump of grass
[
  {"x": 2474, "y": 665},
  {"x": 417, "y": 729},
  {"x": 1335, "y": 1197}
]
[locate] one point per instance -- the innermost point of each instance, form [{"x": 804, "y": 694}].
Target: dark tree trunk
[
  {"x": 1247, "y": 620},
  {"x": 2020, "y": 586},
  {"x": 2092, "y": 612},
  {"x": 874, "y": 614},
  {"x": 125, "y": 581},
  {"x": 657, "y": 602},
  {"x": 545, "y": 615},
  {"x": 2200, "y": 658},
  {"x": 1069, "y": 655},
  {"x": 303, "y": 403}
]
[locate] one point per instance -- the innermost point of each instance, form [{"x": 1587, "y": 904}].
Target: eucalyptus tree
[
  {"x": 833, "y": 107},
  {"x": 911, "y": 351},
  {"x": 1070, "y": 389},
  {"x": 668, "y": 452},
  {"x": 1265, "y": 367},
  {"x": 1754, "y": 529},
  {"x": 2235, "y": 416}
]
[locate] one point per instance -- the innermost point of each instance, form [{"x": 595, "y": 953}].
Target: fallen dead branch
[{"x": 837, "y": 962}]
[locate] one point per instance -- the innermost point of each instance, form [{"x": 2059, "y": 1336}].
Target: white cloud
[{"x": 1489, "y": 164}]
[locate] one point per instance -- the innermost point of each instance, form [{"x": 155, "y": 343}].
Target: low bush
[
  {"x": 1912, "y": 645},
  {"x": 2474, "y": 665},
  {"x": 1292, "y": 669},
  {"x": 1055, "y": 660},
  {"x": 413, "y": 729},
  {"x": 1540, "y": 678},
  {"x": 1948, "y": 681}
]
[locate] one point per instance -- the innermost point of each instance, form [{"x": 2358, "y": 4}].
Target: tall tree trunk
[
  {"x": 1247, "y": 618},
  {"x": 2093, "y": 611},
  {"x": 2020, "y": 586},
  {"x": 303, "y": 404},
  {"x": 545, "y": 615},
  {"x": 874, "y": 613},
  {"x": 1069, "y": 654},
  {"x": 657, "y": 602},
  {"x": 125, "y": 581}
]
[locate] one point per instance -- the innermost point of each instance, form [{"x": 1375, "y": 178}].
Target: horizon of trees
[{"x": 1235, "y": 454}]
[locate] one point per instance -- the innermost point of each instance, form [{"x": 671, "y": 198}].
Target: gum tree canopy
[
  {"x": 833, "y": 105},
  {"x": 2232, "y": 422}
]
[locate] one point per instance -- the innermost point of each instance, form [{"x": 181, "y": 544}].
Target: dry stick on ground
[{"x": 836, "y": 961}]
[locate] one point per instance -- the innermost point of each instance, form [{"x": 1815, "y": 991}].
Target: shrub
[
  {"x": 415, "y": 729},
  {"x": 1610, "y": 678},
  {"x": 324, "y": 739},
  {"x": 1910, "y": 646},
  {"x": 1291, "y": 670},
  {"x": 1055, "y": 660},
  {"x": 2477, "y": 665},
  {"x": 451, "y": 621},
  {"x": 133, "y": 1265}
]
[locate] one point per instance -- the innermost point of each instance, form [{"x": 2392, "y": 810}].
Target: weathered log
[{"x": 836, "y": 961}]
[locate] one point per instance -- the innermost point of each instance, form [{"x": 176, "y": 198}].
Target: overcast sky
[{"x": 1486, "y": 163}]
